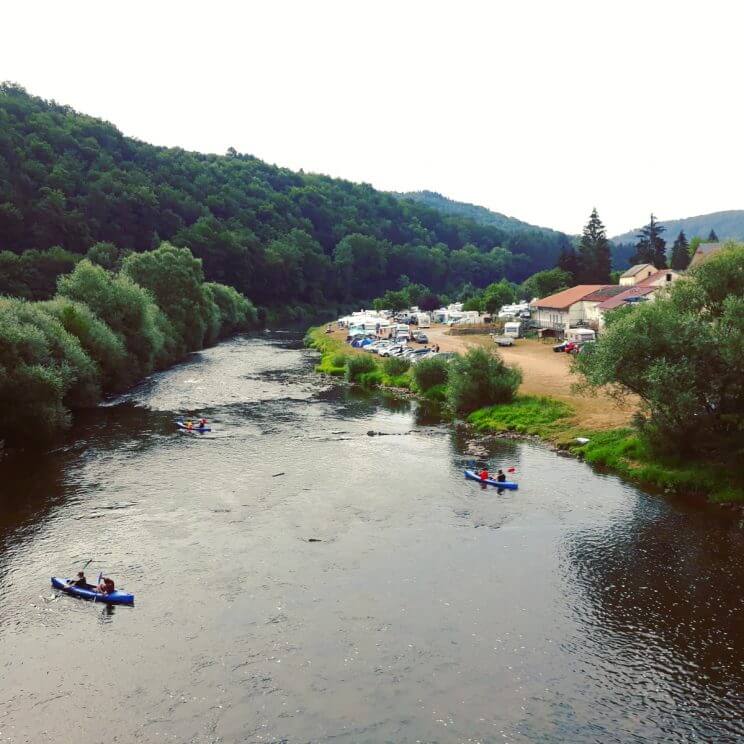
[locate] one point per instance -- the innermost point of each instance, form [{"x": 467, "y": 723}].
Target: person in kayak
[
  {"x": 189, "y": 424},
  {"x": 501, "y": 477},
  {"x": 106, "y": 586},
  {"x": 483, "y": 474},
  {"x": 79, "y": 581},
  {"x": 202, "y": 423}
]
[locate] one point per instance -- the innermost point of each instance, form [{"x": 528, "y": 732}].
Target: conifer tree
[
  {"x": 680, "y": 252},
  {"x": 569, "y": 262},
  {"x": 595, "y": 260},
  {"x": 712, "y": 237},
  {"x": 651, "y": 247}
]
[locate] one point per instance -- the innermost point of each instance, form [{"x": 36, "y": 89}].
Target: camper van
[
  {"x": 578, "y": 335},
  {"x": 424, "y": 321},
  {"x": 513, "y": 329}
]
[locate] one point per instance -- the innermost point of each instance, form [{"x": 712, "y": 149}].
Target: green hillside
[
  {"x": 280, "y": 237},
  {"x": 727, "y": 225}
]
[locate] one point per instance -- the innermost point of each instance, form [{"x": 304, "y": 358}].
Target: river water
[{"x": 577, "y": 609}]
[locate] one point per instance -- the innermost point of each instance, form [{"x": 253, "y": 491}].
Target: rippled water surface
[{"x": 299, "y": 580}]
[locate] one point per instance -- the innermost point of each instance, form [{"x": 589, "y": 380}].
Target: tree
[
  {"x": 545, "y": 283},
  {"x": 694, "y": 243},
  {"x": 481, "y": 379},
  {"x": 496, "y": 295},
  {"x": 594, "y": 259},
  {"x": 568, "y": 261},
  {"x": 651, "y": 247},
  {"x": 680, "y": 252},
  {"x": 712, "y": 237}
]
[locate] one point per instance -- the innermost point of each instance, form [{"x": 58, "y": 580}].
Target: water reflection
[{"x": 647, "y": 595}]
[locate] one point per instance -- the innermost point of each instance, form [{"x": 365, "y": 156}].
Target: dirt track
[{"x": 545, "y": 373}]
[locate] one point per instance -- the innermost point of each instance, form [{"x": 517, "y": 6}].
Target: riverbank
[{"x": 589, "y": 428}]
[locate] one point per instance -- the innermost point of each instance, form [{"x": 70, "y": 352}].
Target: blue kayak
[
  {"x": 90, "y": 592},
  {"x": 472, "y": 475},
  {"x": 183, "y": 427}
]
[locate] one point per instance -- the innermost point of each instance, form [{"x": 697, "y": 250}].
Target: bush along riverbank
[
  {"x": 462, "y": 384},
  {"x": 113, "y": 321}
]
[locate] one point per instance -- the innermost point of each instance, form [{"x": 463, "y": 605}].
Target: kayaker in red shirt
[{"x": 483, "y": 474}]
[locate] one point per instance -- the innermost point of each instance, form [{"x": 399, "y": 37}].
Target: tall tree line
[{"x": 70, "y": 180}]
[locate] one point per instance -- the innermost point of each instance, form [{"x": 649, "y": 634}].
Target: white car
[{"x": 395, "y": 350}]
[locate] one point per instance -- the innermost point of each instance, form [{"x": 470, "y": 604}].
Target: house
[
  {"x": 704, "y": 252},
  {"x": 563, "y": 309},
  {"x": 636, "y": 274}
]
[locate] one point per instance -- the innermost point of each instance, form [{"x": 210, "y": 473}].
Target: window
[{"x": 669, "y": 277}]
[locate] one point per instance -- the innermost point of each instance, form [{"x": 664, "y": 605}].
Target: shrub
[
  {"x": 338, "y": 360},
  {"x": 126, "y": 308},
  {"x": 375, "y": 378},
  {"x": 481, "y": 379},
  {"x": 395, "y": 366},
  {"x": 358, "y": 365},
  {"x": 429, "y": 373},
  {"x": 101, "y": 344}
]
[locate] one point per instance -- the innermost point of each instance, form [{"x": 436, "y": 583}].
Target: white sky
[{"x": 540, "y": 110}]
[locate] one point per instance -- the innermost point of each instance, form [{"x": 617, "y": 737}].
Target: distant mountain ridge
[
  {"x": 727, "y": 225},
  {"x": 478, "y": 214}
]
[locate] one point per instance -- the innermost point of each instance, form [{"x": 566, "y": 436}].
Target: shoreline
[{"x": 616, "y": 449}]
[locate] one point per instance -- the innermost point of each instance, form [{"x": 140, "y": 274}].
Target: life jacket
[{"x": 483, "y": 474}]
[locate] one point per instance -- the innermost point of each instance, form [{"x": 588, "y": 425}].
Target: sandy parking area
[{"x": 545, "y": 373}]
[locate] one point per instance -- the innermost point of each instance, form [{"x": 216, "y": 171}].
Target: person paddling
[
  {"x": 79, "y": 581},
  {"x": 483, "y": 474},
  {"x": 106, "y": 586},
  {"x": 501, "y": 477}
]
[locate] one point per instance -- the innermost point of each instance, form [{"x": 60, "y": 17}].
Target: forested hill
[
  {"x": 726, "y": 225},
  {"x": 478, "y": 214},
  {"x": 70, "y": 180}
]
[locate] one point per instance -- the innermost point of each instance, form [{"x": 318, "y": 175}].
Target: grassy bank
[{"x": 619, "y": 450}]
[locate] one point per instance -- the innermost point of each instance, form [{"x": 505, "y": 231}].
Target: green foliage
[
  {"x": 545, "y": 283},
  {"x": 496, "y": 295},
  {"x": 395, "y": 366},
  {"x": 128, "y": 309},
  {"x": 237, "y": 313},
  {"x": 526, "y": 414},
  {"x": 98, "y": 341},
  {"x": 280, "y": 237},
  {"x": 481, "y": 379},
  {"x": 106, "y": 255},
  {"x": 474, "y": 303},
  {"x": 358, "y": 365},
  {"x": 594, "y": 257},
  {"x": 33, "y": 275},
  {"x": 43, "y": 371},
  {"x": 680, "y": 252},
  {"x": 394, "y": 301},
  {"x": 374, "y": 378},
  {"x": 174, "y": 278},
  {"x": 651, "y": 247},
  {"x": 429, "y": 373},
  {"x": 683, "y": 355}
]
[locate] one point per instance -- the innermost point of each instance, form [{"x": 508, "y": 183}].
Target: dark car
[
  {"x": 421, "y": 338},
  {"x": 561, "y": 346}
]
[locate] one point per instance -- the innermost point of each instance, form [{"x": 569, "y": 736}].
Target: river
[{"x": 577, "y": 609}]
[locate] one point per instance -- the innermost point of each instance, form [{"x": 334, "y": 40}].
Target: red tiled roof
[
  {"x": 649, "y": 280},
  {"x": 605, "y": 293},
  {"x": 619, "y": 299},
  {"x": 566, "y": 298}
]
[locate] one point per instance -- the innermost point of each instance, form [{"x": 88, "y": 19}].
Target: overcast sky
[{"x": 540, "y": 110}]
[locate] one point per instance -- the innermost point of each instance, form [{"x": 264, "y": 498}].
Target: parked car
[
  {"x": 503, "y": 340},
  {"x": 571, "y": 347},
  {"x": 394, "y": 350},
  {"x": 561, "y": 346},
  {"x": 420, "y": 338}
]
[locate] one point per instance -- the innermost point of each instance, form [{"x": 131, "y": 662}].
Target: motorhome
[
  {"x": 580, "y": 334},
  {"x": 424, "y": 321},
  {"x": 513, "y": 329}
]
